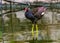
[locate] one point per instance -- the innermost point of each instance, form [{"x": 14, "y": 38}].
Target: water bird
[{"x": 34, "y": 15}]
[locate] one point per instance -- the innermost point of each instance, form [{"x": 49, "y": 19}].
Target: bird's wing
[
  {"x": 34, "y": 10},
  {"x": 40, "y": 12}
]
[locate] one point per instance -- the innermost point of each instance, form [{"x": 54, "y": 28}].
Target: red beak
[{"x": 25, "y": 9}]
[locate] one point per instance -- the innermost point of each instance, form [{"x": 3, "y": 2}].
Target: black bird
[{"x": 34, "y": 15}]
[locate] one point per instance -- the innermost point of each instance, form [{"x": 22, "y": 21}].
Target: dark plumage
[{"x": 35, "y": 14}]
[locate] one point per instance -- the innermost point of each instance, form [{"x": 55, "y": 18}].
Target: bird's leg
[
  {"x": 32, "y": 30},
  {"x": 36, "y": 31}
]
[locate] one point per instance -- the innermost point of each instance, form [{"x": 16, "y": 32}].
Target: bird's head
[{"x": 26, "y": 9}]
